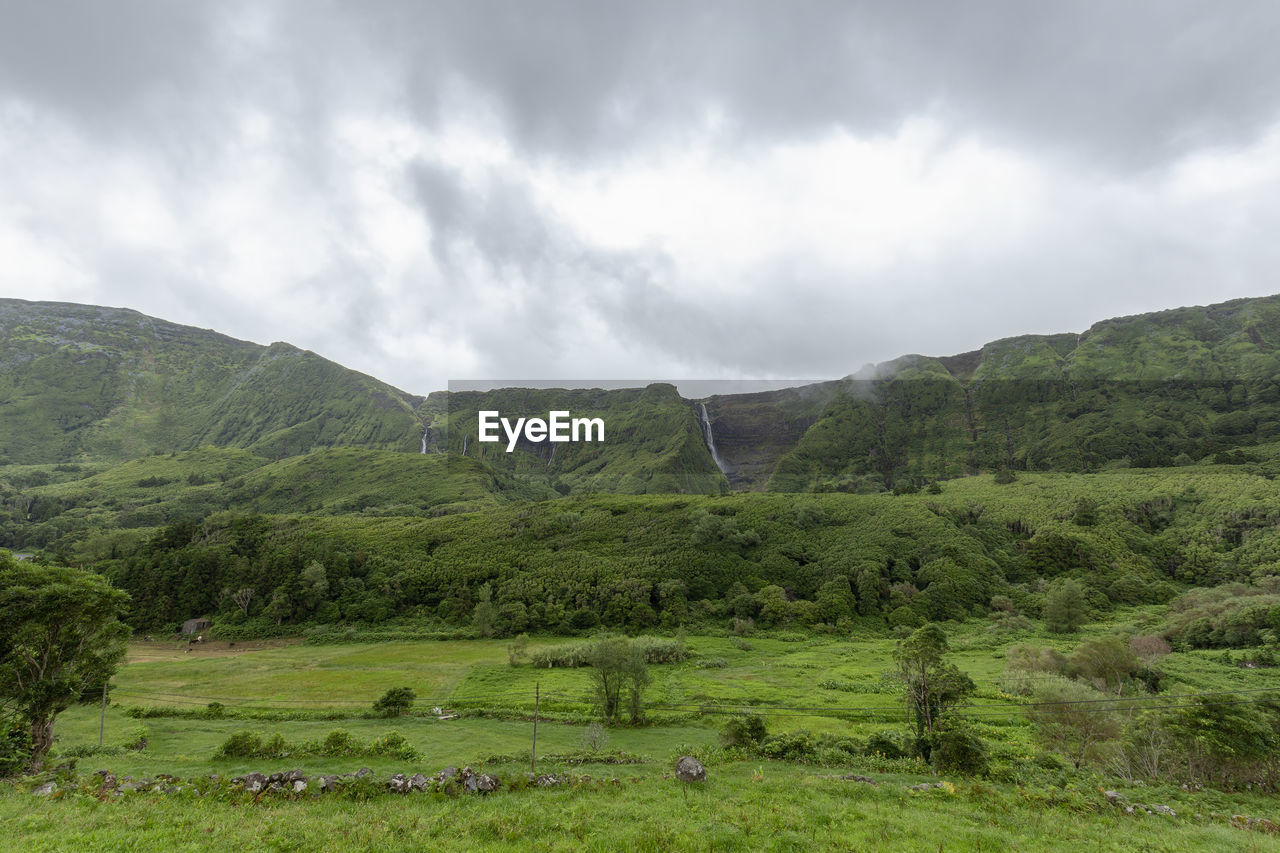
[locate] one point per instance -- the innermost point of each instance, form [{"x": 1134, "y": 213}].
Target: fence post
[{"x": 533, "y": 753}]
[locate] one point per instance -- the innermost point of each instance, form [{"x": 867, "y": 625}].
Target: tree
[
  {"x": 396, "y": 701},
  {"x": 617, "y": 664},
  {"x": 60, "y": 631},
  {"x": 933, "y": 684},
  {"x": 1065, "y": 607},
  {"x": 280, "y": 607},
  {"x": 1107, "y": 662},
  {"x": 315, "y": 584},
  {"x": 1069, "y": 718},
  {"x": 485, "y": 615},
  {"x": 242, "y": 597}
]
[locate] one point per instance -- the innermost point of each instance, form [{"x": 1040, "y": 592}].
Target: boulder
[
  {"x": 690, "y": 769},
  {"x": 398, "y": 784},
  {"x": 299, "y": 785},
  {"x": 418, "y": 782},
  {"x": 486, "y": 784},
  {"x": 252, "y": 782},
  {"x": 46, "y": 789},
  {"x": 1113, "y": 797},
  {"x": 446, "y": 774},
  {"x": 1159, "y": 808},
  {"x": 363, "y": 772}
]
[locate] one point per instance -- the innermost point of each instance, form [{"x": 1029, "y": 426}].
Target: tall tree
[
  {"x": 933, "y": 684},
  {"x": 1065, "y": 607},
  {"x": 60, "y": 631}
]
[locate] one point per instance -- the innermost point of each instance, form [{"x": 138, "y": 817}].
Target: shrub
[
  {"x": 137, "y": 738},
  {"x": 747, "y": 730},
  {"x": 396, "y": 701},
  {"x": 339, "y": 742},
  {"x": 887, "y": 745},
  {"x": 956, "y": 749},
  {"x": 242, "y": 744},
  {"x": 793, "y": 746},
  {"x": 594, "y": 736},
  {"x": 393, "y": 745},
  {"x": 15, "y": 751}
]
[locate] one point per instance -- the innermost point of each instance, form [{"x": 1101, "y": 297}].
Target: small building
[{"x": 195, "y": 626}]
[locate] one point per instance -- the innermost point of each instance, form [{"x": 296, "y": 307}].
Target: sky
[{"x": 436, "y": 191}]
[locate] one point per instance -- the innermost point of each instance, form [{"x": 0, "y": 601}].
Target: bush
[
  {"x": 241, "y": 744},
  {"x": 15, "y": 751},
  {"x": 887, "y": 745},
  {"x": 137, "y": 738},
  {"x": 792, "y": 746},
  {"x": 747, "y": 730},
  {"x": 396, "y": 701},
  {"x": 393, "y": 745},
  {"x": 956, "y": 749}
]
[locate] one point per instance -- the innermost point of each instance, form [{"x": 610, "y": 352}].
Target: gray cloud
[{"x": 373, "y": 247}]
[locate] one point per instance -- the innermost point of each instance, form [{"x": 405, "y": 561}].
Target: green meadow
[{"x": 820, "y": 684}]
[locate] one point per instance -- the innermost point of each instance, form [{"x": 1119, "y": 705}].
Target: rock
[
  {"x": 398, "y": 784},
  {"x": 854, "y": 777},
  {"x": 1164, "y": 810},
  {"x": 446, "y": 774},
  {"x": 46, "y": 789},
  {"x": 299, "y": 785},
  {"x": 486, "y": 784},
  {"x": 468, "y": 779},
  {"x": 418, "y": 782},
  {"x": 690, "y": 769},
  {"x": 546, "y": 780},
  {"x": 253, "y": 782},
  {"x": 1113, "y": 797},
  {"x": 363, "y": 772},
  {"x": 293, "y": 776},
  {"x": 328, "y": 783}
]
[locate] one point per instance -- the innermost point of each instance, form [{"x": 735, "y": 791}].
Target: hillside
[
  {"x": 1153, "y": 390},
  {"x": 54, "y": 506},
  {"x": 80, "y": 383},
  {"x": 89, "y": 385},
  {"x": 653, "y": 439}
]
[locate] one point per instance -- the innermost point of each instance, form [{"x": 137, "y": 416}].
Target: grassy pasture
[{"x": 746, "y": 805}]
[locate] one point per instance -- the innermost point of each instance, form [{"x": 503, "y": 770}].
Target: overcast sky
[{"x": 428, "y": 191}]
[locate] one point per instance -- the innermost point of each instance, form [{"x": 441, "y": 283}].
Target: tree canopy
[{"x": 60, "y": 631}]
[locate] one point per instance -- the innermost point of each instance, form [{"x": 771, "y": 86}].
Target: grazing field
[{"x": 819, "y": 684}]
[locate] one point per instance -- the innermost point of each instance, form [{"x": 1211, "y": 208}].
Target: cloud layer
[{"x": 576, "y": 189}]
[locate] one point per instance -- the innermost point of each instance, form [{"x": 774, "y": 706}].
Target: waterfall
[
  {"x": 425, "y": 431},
  {"x": 710, "y": 439}
]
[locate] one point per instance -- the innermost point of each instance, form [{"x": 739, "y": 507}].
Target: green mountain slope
[
  {"x": 81, "y": 382},
  {"x": 1152, "y": 390},
  {"x": 45, "y": 507},
  {"x": 653, "y": 440}
]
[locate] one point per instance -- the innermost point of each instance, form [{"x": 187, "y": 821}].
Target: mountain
[
  {"x": 653, "y": 438},
  {"x": 1152, "y": 390},
  {"x": 85, "y": 385},
  {"x": 79, "y": 382}
]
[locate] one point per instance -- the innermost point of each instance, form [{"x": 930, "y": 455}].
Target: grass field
[{"x": 746, "y": 804}]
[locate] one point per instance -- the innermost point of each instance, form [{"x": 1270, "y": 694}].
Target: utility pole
[
  {"x": 533, "y": 754},
  {"x": 102, "y": 719}
]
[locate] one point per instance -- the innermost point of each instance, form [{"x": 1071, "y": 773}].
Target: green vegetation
[
  {"x": 1010, "y": 574},
  {"x": 60, "y": 635}
]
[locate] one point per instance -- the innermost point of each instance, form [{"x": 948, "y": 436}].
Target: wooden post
[
  {"x": 533, "y": 753},
  {"x": 102, "y": 719}
]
